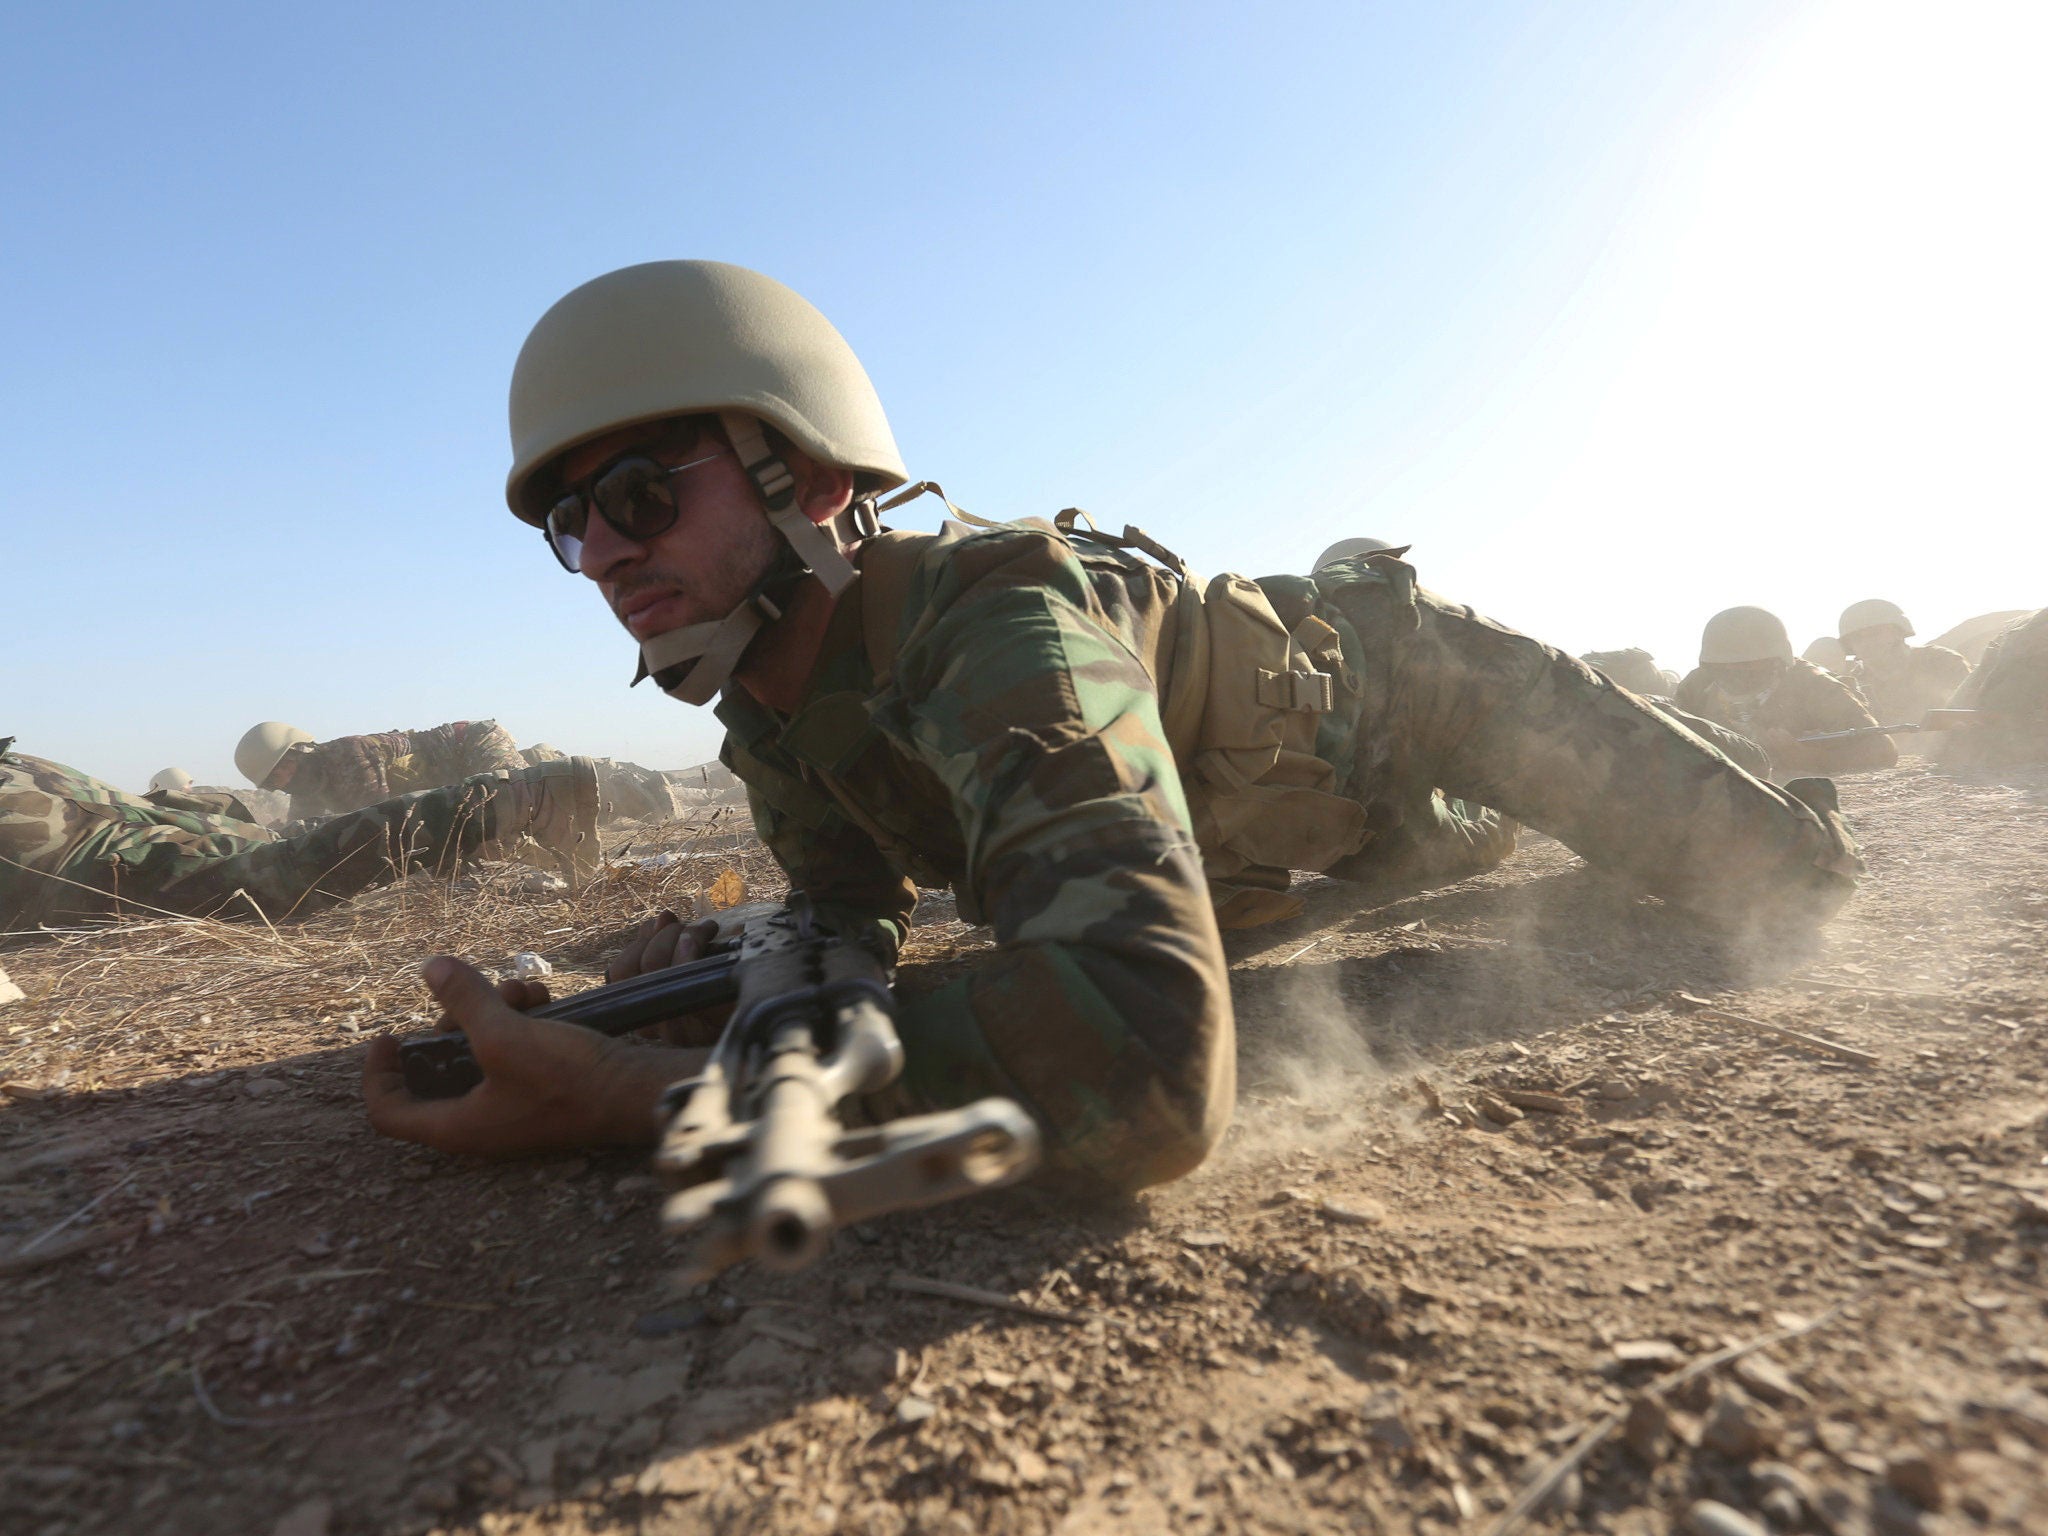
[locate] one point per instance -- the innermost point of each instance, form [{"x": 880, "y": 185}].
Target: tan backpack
[{"x": 1240, "y": 696}]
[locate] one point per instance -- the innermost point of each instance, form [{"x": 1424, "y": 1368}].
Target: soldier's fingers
[
  {"x": 524, "y": 995},
  {"x": 648, "y": 948}
]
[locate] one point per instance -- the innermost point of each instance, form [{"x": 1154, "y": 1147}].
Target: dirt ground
[{"x": 1503, "y": 1161}]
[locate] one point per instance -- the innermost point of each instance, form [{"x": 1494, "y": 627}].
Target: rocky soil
[{"x": 1521, "y": 1167}]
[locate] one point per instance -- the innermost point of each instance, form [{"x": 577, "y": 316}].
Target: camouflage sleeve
[
  {"x": 825, "y": 855},
  {"x": 1823, "y": 703},
  {"x": 1105, "y": 1009}
]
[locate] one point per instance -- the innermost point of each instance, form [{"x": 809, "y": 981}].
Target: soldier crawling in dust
[
  {"x": 1095, "y": 748},
  {"x": 1899, "y": 682},
  {"x": 329, "y": 777},
  {"x": 1749, "y": 681},
  {"x": 73, "y": 848}
]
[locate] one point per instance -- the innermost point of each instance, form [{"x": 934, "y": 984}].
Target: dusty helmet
[
  {"x": 1344, "y": 549},
  {"x": 681, "y": 338},
  {"x": 1870, "y": 613},
  {"x": 176, "y": 780},
  {"x": 257, "y": 753},
  {"x": 1827, "y": 652},
  {"x": 1744, "y": 634}
]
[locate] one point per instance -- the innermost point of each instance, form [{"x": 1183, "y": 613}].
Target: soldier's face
[
  {"x": 704, "y": 565},
  {"x": 1741, "y": 678},
  {"x": 1881, "y": 642}
]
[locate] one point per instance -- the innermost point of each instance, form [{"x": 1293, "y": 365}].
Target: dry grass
[{"x": 129, "y": 1002}]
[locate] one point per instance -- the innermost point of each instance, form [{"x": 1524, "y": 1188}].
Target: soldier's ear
[{"x": 827, "y": 491}]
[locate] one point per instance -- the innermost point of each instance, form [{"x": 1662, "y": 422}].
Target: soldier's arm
[
  {"x": 1105, "y": 1009},
  {"x": 1829, "y": 705}
]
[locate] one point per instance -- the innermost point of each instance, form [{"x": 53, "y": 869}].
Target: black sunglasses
[{"x": 632, "y": 494}]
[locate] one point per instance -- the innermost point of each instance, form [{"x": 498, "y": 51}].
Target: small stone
[
  {"x": 311, "y": 1518},
  {"x": 1708, "y": 1518},
  {"x": 1736, "y": 1428},
  {"x": 437, "y": 1496},
  {"x": 9, "y": 992},
  {"x": 318, "y": 1246},
  {"x": 528, "y": 966},
  {"x": 1782, "y": 1508},
  {"x": 1598, "y": 1141},
  {"x": 1648, "y": 1352},
  {"x": 1767, "y": 1379},
  {"x": 1031, "y": 1467},
  {"x": 1204, "y": 1239},
  {"x": 1497, "y": 1109},
  {"x": 1647, "y": 1431},
  {"x": 1920, "y": 1479},
  {"x": 1356, "y": 1213},
  {"x": 263, "y": 1087},
  {"x": 537, "y": 1461},
  {"x": 914, "y": 1410},
  {"x": 1778, "y": 1477},
  {"x": 1615, "y": 1090},
  {"x": 667, "y": 1321}
]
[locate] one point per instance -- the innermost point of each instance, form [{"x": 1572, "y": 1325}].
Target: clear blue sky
[{"x": 1620, "y": 313}]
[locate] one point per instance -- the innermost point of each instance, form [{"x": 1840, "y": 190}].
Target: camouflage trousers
[
  {"x": 1457, "y": 727},
  {"x": 72, "y": 847}
]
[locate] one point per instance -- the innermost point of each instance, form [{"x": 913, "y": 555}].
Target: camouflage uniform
[
  {"x": 1016, "y": 751},
  {"x": 1926, "y": 680},
  {"x": 2011, "y": 687},
  {"x": 350, "y": 772},
  {"x": 72, "y": 847},
  {"x": 623, "y": 789},
  {"x": 1635, "y": 669},
  {"x": 1804, "y": 701}
]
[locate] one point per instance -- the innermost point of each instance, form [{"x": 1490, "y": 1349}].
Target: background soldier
[
  {"x": 1900, "y": 682},
  {"x": 72, "y": 847},
  {"x": 329, "y": 777},
  {"x": 1749, "y": 681},
  {"x": 1084, "y": 743},
  {"x": 2010, "y": 689}
]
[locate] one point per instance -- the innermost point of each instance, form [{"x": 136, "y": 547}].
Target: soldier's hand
[
  {"x": 662, "y": 941},
  {"x": 548, "y": 1086},
  {"x": 659, "y": 942}
]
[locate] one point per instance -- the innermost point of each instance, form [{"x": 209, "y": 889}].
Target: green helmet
[
  {"x": 262, "y": 746},
  {"x": 1871, "y": 613},
  {"x": 685, "y": 338},
  {"x": 1744, "y": 634}
]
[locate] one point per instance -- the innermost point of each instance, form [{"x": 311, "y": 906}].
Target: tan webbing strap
[
  {"x": 1132, "y": 537},
  {"x": 716, "y": 648},
  {"x": 817, "y": 549},
  {"x": 910, "y": 493}
]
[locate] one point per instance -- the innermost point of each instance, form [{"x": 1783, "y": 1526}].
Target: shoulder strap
[{"x": 887, "y": 562}]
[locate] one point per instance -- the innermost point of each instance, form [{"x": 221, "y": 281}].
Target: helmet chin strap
[{"x": 695, "y": 662}]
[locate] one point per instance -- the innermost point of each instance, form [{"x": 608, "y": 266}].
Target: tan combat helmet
[
  {"x": 1344, "y": 549},
  {"x": 684, "y": 338},
  {"x": 1744, "y": 634},
  {"x": 1827, "y": 653},
  {"x": 175, "y": 780},
  {"x": 258, "y": 752},
  {"x": 1870, "y": 614}
]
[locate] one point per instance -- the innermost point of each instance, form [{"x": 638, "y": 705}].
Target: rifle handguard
[{"x": 769, "y": 1178}]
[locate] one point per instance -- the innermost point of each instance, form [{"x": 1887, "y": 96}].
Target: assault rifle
[
  {"x": 1933, "y": 720},
  {"x": 759, "y": 1164}
]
